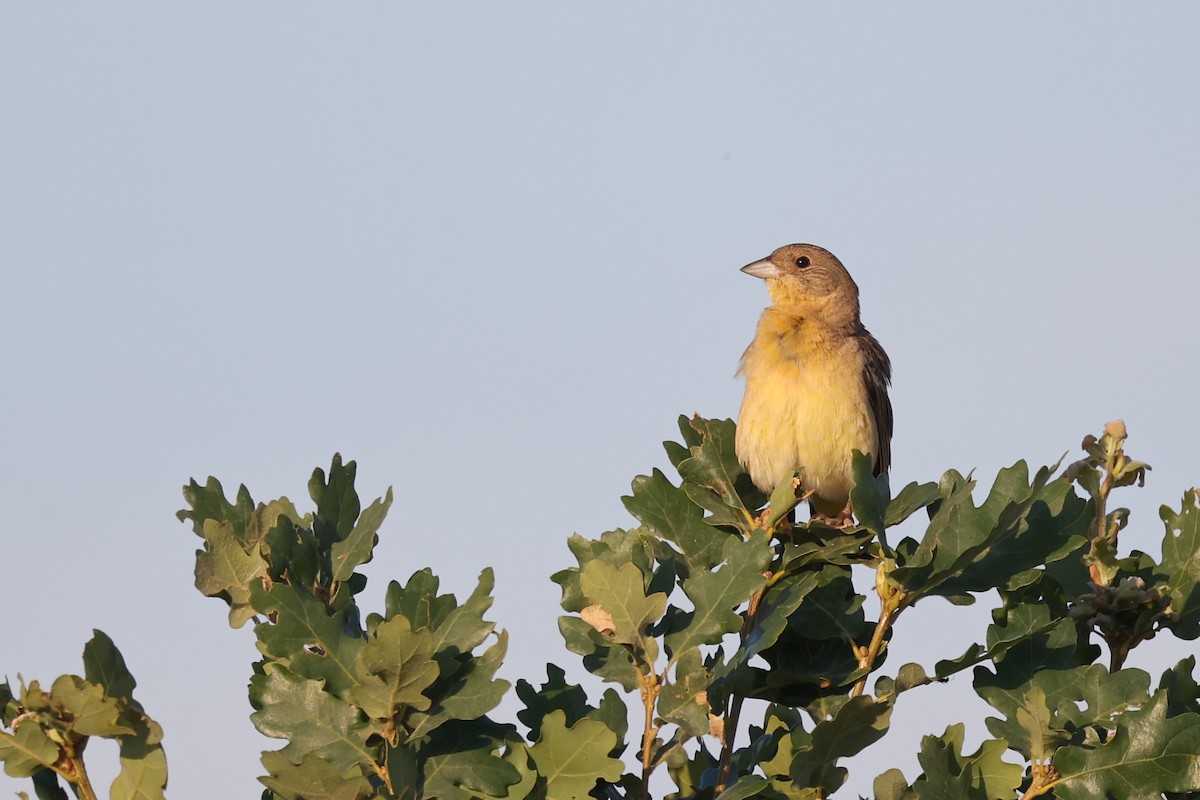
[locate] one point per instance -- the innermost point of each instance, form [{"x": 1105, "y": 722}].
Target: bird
[{"x": 816, "y": 383}]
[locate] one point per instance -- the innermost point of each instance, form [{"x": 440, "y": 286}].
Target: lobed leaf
[
  {"x": 312, "y": 779},
  {"x": 1150, "y": 753},
  {"x": 1180, "y": 566},
  {"x": 573, "y": 758}
]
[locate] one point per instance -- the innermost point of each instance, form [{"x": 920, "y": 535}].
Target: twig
[{"x": 729, "y": 734}]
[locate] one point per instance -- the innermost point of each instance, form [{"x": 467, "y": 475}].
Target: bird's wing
[{"x": 877, "y": 374}]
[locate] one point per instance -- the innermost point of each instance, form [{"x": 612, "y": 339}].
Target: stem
[
  {"x": 729, "y": 734},
  {"x": 650, "y": 689},
  {"x": 76, "y": 773},
  {"x": 867, "y": 661},
  {"x": 891, "y": 602},
  {"x": 1044, "y": 779}
]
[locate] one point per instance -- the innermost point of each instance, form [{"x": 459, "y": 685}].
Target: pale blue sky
[{"x": 491, "y": 252}]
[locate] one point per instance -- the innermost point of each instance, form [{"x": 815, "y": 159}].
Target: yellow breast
[{"x": 805, "y": 408}]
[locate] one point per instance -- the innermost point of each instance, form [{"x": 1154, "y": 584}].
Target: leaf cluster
[
  {"x": 46, "y": 731},
  {"x": 716, "y": 597}
]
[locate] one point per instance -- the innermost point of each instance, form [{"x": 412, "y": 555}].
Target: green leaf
[
  {"x": 951, "y": 775},
  {"x": 716, "y": 594},
  {"x": 312, "y": 779},
  {"x": 613, "y": 714},
  {"x": 337, "y": 502},
  {"x": 779, "y": 603},
  {"x": 814, "y": 546},
  {"x": 815, "y": 654},
  {"x": 46, "y": 785},
  {"x": 224, "y": 569},
  {"x": 858, "y": 724},
  {"x": 143, "y": 774},
  {"x": 208, "y": 503},
  {"x": 314, "y": 721},
  {"x": 555, "y": 695},
  {"x": 614, "y": 664},
  {"x": 620, "y": 593},
  {"x": 1183, "y": 694},
  {"x": 1149, "y": 754},
  {"x": 870, "y": 495},
  {"x": 912, "y": 497},
  {"x": 463, "y": 628},
  {"x": 1100, "y": 693},
  {"x": 785, "y": 728},
  {"x": 397, "y": 666},
  {"x": 27, "y": 750},
  {"x": 1181, "y": 563},
  {"x": 746, "y": 786},
  {"x": 89, "y": 711},
  {"x": 466, "y": 689},
  {"x": 306, "y": 637},
  {"x": 103, "y": 665},
  {"x": 356, "y": 549},
  {"x": 1021, "y": 525},
  {"x": 462, "y": 762},
  {"x": 1023, "y": 622},
  {"x": 712, "y": 476},
  {"x": 684, "y": 700},
  {"x": 891, "y": 785},
  {"x": 419, "y": 601},
  {"x": 616, "y": 547},
  {"x": 573, "y": 759},
  {"x": 713, "y": 463},
  {"x": 666, "y": 510}
]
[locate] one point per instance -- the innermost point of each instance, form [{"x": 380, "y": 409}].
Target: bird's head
[{"x": 809, "y": 281}]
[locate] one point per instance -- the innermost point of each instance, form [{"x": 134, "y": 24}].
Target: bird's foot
[{"x": 843, "y": 519}]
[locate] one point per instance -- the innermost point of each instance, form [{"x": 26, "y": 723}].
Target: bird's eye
[{"x": 802, "y": 262}]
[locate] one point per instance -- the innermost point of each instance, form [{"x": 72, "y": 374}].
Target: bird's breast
[{"x": 805, "y": 407}]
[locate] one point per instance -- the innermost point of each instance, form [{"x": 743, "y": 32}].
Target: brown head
[{"x": 809, "y": 282}]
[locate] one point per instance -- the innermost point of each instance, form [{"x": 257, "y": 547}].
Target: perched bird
[{"x": 816, "y": 382}]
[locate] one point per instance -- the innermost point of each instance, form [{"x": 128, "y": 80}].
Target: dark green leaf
[
  {"x": 950, "y": 775},
  {"x": 912, "y": 497},
  {"x": 1181, "y": 563},
  {"x": 419, "y": 600},
  {"x": 554, "y": 695},
  {"x": 858, "y": 724},
  {"x": 465, "y": 771},
  {"x": 666, "y": 510},
  {"x": 1100, "y": 694},
  {"x": 104, "y": 666},
  {"x": 1183, "y": 694},
  {"x": 1149, "y": 754},
  {"x": 463, "y": 628},
  {"x": 469, "y": 691},
  {"x": 716, "y": 594},
  {"x": 337, "y": 502},
  {"x": 870, "y": 495},
  {"x": 684, "y": 700}
]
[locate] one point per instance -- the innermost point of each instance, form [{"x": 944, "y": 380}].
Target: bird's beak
[{"x": 764, "y": 269}]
